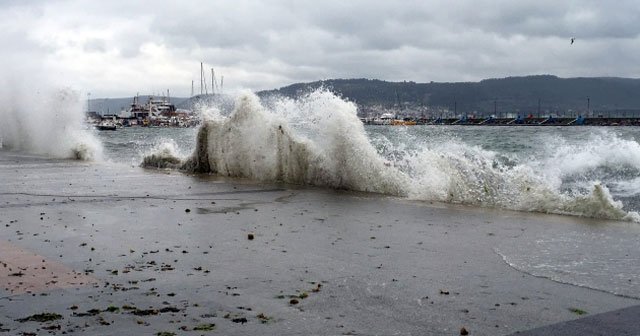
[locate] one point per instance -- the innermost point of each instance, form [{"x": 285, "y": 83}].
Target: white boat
[
  {"x": 384, "y": 119},
  {"x": 106, "y": 125},
  {"x": 153, "y": 108}
]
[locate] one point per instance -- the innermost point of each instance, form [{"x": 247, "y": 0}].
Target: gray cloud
[
  {"x": 95, "y": 45},
  {"x": 117, "y": 47}
]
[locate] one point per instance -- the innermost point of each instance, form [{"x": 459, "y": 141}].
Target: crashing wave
[
  {"x": 254, "y": 143},
  {"x": 51, "y": 123},
  {"x": 318, "y": 140}
]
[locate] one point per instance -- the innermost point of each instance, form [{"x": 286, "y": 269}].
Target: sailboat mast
[
  {"x": 206, "y": 90},
  {"x": 201, "y": 73}
]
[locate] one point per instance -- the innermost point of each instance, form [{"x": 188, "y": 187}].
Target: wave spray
[
  {"x": 45, "y": 121},
  {"x": 319, "y": 140}
]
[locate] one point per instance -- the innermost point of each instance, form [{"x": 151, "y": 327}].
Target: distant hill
[
  {"x": 511, "y": 94},
  {"x": 504, "y": 95}
]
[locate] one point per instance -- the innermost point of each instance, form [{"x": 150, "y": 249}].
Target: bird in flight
[{"x": 573, "y": 39}]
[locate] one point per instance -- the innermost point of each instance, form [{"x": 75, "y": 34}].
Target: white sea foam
[
  {"x": 318, "y": 140},
  {"x": 165, "y": 154},
  {"x": 45, "y": 121},
  {"x": 597, "y": 150}
]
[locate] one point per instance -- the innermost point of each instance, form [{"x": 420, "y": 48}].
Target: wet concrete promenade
[{"x": 104, "y": 249}]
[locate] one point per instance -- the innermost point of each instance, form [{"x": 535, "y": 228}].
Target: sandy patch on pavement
[{"x": 22, "y": 271}]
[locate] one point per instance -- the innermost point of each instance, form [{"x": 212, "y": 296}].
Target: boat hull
[{"x": 106, "y": 127}]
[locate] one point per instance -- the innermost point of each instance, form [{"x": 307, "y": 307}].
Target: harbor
[
  {"x": 159, "y": 110},
  {"x": 155, "y": 112}
]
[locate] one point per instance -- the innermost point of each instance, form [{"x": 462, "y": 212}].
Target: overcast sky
[{"x": 117, "y": 48}]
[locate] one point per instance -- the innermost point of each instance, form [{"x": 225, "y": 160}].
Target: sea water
[
  {"x": 318, "y": 140},
  {"x": 572, "y": 160}
]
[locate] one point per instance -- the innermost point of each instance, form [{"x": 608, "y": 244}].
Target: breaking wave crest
[
  {"x": 319, "y": 140},
  {"x": 460, "y": 173},
  {"x": 256, "y": 143}
]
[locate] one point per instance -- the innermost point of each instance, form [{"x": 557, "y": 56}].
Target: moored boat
[{"x": 106, "y": 126}]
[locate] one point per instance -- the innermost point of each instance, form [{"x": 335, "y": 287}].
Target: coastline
[{"x": 178, "y": 248}]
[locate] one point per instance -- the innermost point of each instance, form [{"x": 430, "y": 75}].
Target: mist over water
[
  {"x": 45, "y": 120},
  {"x": 318, "y": 140}
]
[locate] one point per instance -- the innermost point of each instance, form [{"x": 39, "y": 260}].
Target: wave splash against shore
[
  {"x": 47, "y": 123},
  {"x": 319, "y": 140}
]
